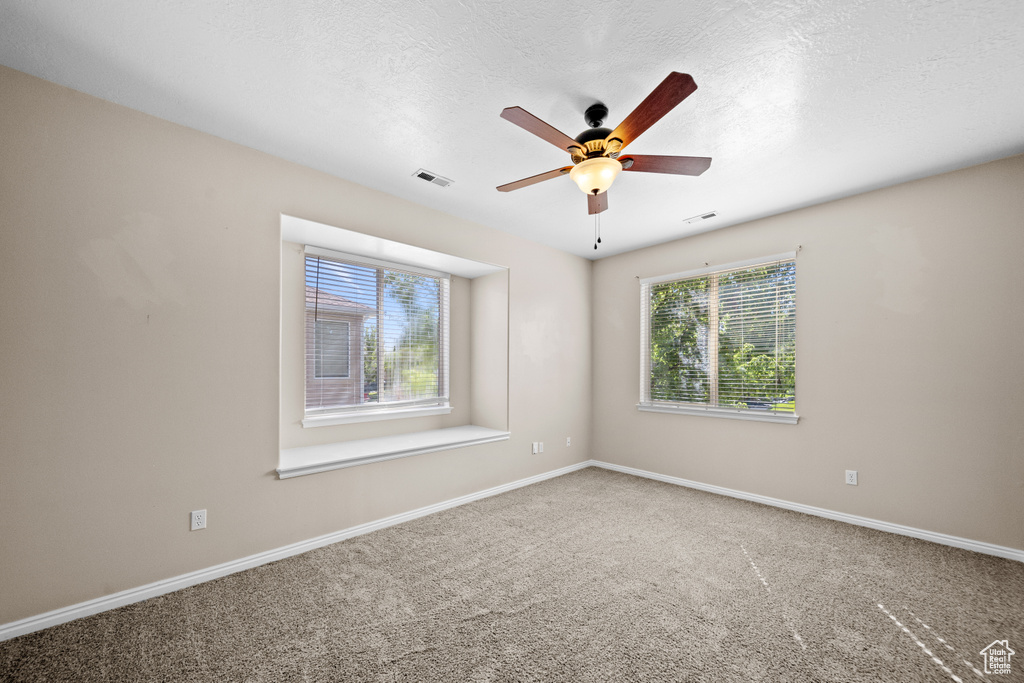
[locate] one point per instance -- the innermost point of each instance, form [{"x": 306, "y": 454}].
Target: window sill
[
  {"x": 373, "y": 416},
  {"x": 728, "y": 413},
  {"x": 296, "y": 462}
]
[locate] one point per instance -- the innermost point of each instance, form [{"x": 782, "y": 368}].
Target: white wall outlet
[
  {"x": 568, "y": 441},
  {"x": 198, "y": 520},
  {"x": 536, "y": 448},
  {"x": 851, "y": 477},
  {"x": 541, "y": 446}
]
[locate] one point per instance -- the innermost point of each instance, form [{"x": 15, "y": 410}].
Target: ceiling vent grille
[
  {"x": 431, "y": 177},
  {"x": 701, "y": 217}
]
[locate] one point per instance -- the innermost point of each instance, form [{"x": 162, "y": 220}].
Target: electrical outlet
[
  {"x": 541, "y": 446},
  {"x": 568, "y": 441},
  {"x": 198, "y": 520},
  {"x": 851, "y": 477}
]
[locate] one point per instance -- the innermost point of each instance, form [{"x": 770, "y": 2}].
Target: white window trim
[
  {"x": 303, "y": 231},
  {"x": 787, "y": 256},
  {"x": 715, "y": 411},
  {"x": 295, "y": 462},
  {"x": 374, "y": 415},
  {"x": 648, "y": 406},
  {"x": 310, "y": 250}
]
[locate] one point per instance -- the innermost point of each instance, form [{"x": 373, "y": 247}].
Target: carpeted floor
[{"x": 592, "y": 576}]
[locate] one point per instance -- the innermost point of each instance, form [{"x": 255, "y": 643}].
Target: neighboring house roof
[{"x": 335, "y": 303}]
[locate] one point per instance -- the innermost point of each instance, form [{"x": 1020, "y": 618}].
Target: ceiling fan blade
[
  {"x": 673, "y": 90},
  {"x": 596, "y": 203},
  {"x": 531, "y": 123},
  {"x": 652, "y": 163},
  {"x": 540, "y": 177}
]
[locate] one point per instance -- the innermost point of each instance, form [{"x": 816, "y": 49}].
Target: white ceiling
[{"x": 798, "y": 101}]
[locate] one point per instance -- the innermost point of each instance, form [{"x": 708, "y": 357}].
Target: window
[
  {"x": 721, "y": 341},
  {"x": 376, "y": 337},
  {"x": 330, "y": 348}
]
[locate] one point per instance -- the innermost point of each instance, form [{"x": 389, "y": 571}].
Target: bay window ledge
[
  {"x": 295, "y": 462},
  {"x": 374, "y": 415},
  {"x": 728, "y": 413}
]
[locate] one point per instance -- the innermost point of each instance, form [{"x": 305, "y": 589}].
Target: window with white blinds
[
  {"x": 376, "y": 336},
  {"x": 721, "y": 341}
]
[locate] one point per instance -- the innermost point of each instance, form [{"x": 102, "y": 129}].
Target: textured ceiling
[{"x": 798, "y": 102}]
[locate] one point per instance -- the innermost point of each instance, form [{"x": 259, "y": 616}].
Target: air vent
[
  {"x": 700, "y": 217},
  {"x": 433, "y": 178}
]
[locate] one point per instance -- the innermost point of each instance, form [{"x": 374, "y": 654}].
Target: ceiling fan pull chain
[{"x": 599, "y": 228}]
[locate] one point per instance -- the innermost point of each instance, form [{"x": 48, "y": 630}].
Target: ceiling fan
[{"x": 596, "y": 152}]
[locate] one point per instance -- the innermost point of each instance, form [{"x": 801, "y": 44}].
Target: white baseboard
[
  {"x": 935, "y": 537},
  {"x": 152, "y": 590}
]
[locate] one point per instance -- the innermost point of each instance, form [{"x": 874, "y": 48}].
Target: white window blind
[
  {"x": 721, "y": 338},
  {"x": 376, "y": 335}
]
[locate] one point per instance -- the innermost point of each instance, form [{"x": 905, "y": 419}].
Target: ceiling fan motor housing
[
  {"x": 594, "y": 141},
  {"x": 593, "y": 134}
]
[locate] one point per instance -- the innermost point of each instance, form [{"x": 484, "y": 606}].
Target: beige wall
[
  {"x": 909, "y": 361},
  {"x": 489, "y": 351},
  {"x": 139, "y": 330}
]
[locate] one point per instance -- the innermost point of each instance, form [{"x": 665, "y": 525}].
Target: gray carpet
[{"x": 593, "y": 576}]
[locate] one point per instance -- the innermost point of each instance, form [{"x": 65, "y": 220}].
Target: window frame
[
  {"x": 646, "y": 404},
  {"x": 369, "y": 412}
]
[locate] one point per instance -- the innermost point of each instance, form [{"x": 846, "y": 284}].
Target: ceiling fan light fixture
[{"x": 596, "y": 175}]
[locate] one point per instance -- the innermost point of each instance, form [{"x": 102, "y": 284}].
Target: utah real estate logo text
[{"x": 997, "y": 657}]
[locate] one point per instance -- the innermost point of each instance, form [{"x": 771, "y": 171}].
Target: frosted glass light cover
[{"x": 595, "y": 174}]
